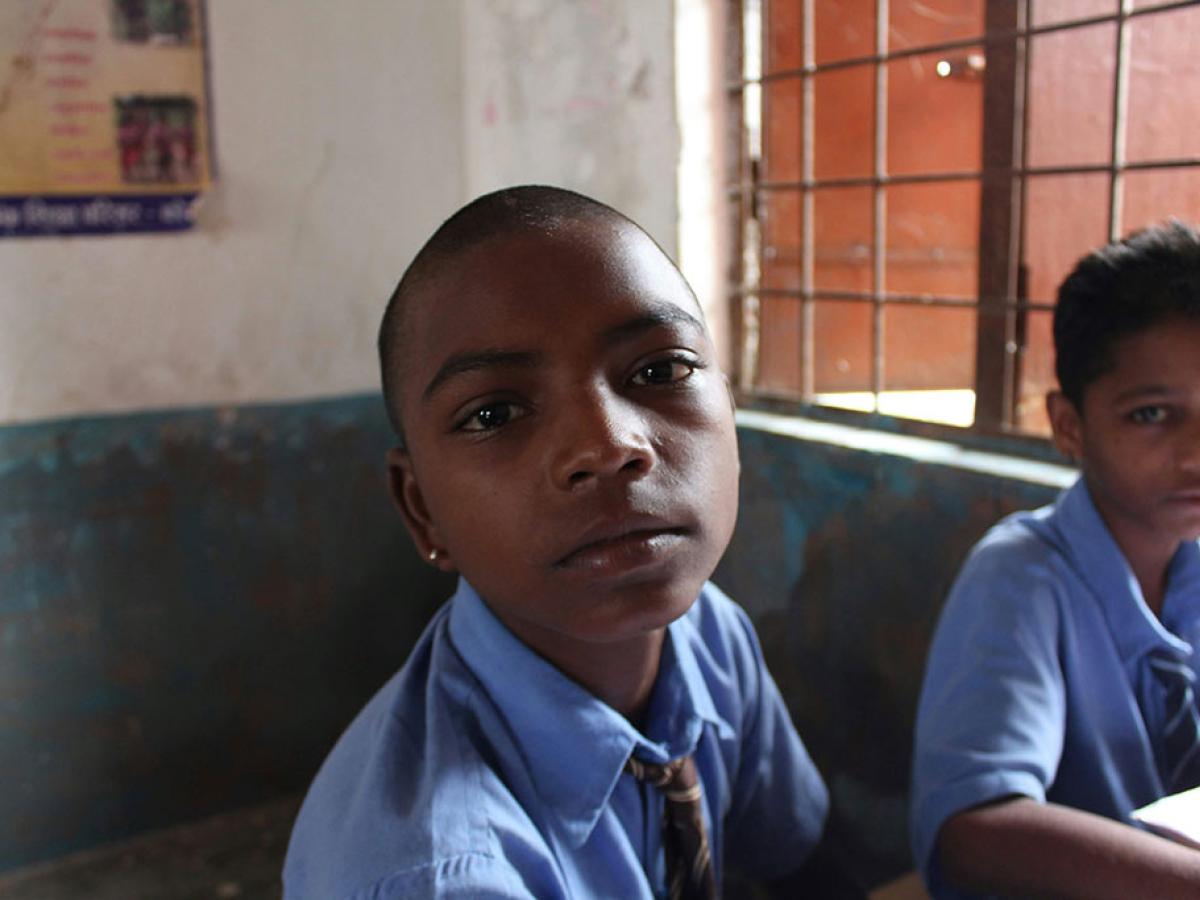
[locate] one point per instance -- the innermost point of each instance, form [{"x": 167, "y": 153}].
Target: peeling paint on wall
[
  {"x": 843, "y": 559},
  {"x": 194, "y": 604}
]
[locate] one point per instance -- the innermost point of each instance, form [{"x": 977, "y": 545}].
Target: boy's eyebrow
[
  {"x": 659, "y": 315},
  {"x": 474, "y": 361},
  {"x": 1142, "y": 392}
]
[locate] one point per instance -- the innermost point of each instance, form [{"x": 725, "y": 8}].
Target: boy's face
[
  {"x": 1138, "y": 436},
  {"x": 570, "y": 438}
]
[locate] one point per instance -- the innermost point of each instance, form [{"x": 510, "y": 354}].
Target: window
[{"x": 914, "y": 177}]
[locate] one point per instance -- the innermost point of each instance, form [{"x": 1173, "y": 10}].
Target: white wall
[
  {"x": 345, "y": 133},
  {"x": 339, "y": 148},
  {"x": 704, "y": 252},
  {"x": 578, "y": 93}
]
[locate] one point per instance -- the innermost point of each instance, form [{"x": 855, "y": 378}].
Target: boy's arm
[{"x": 1018, "y": 846}]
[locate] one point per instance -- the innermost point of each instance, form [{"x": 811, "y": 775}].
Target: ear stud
[{"x": 433, "y": 555}]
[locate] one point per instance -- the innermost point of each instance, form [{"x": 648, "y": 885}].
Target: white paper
[{"x": 1176, "y": 817}]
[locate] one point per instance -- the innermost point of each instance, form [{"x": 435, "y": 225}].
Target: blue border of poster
[{"x": 59, "y": 214}]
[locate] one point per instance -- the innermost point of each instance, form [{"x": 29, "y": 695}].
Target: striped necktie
[
  {"x": 1181, "y": 733},
  {"x": 685, "y": 842}
]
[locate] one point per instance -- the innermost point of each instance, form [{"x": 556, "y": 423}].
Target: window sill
[{"x": 920, "y": 449}]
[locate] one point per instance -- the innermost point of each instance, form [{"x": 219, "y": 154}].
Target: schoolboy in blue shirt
[
  {"x": 1057, "y": 695},
  {"x": 568, "y": 447}
]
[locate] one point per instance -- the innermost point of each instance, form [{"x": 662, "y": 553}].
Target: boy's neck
[
  {"x": 619, "y": 673},
  {"x": 1149, "y": 556},
  {"x": 1150, "y": 570}
]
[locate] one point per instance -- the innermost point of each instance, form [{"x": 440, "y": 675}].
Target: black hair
[
  {"x": 532, "y": 208},
  {"x": 1120, "y": 290}
]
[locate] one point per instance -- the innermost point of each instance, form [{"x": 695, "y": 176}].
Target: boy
[
  {"x": 567, "y": 445},
  {"x": 1057, "y": 696}
]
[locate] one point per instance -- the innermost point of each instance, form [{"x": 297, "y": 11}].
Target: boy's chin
[
  {"x": 631, "y": 615},
  {"x": 1187, "y": 526}
]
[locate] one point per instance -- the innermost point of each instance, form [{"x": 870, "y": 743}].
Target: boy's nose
[{"x": 601, "y": 435}]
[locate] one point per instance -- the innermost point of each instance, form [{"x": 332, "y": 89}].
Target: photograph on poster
[
  {"x": 154, "y": 21},
  {"x": 156, "y": 138}
]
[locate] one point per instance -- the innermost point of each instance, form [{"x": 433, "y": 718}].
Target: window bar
[
  {"x": 1021, "y": 313},
  {"x": 880, "y": 205},
  {"x": 1106, "y": 168},
  {"x": 1187, "y": 162},
  {"x": 873, "y": 180},
  {"x": 736, "y": 174},
  {"x": 999, "y": 202},
  {"x": 1116, "y": 184},
  {"x": 808, "y": 220},
  {"x": 750, "y": 33},
  {"x": 755, "y": 47},
  {"x": 890, "y": 299},
  {"x": 1012, "y": 274}
]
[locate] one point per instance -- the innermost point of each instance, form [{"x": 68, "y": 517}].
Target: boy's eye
[
  {"x": 664, "y": 371},
  {"x": 491, "y": 416},
  {"x": 1149, "y": 415}
]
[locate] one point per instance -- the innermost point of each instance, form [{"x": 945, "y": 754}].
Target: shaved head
[{"x": 536, "y": 209}]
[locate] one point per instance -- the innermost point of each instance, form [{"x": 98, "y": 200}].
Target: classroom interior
[{"x": 201, "y": 577}]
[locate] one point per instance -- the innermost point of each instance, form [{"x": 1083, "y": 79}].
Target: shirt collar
[
  {"x": 554, "y": 720},
  {"x": 1103, "y": 567},
  {"x": 681, "y": 701},
  {"x": 1181, "y": 606}
]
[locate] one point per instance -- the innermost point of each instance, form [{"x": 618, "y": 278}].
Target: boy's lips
[{"x": 629, "y": 542}]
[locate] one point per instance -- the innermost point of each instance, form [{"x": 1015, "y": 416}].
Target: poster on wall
[{"x": 104, "y": 116}]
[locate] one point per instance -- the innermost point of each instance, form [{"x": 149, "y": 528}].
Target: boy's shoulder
[
  {"x": 1061, "y": 539},
  {"x": 397, "y": 808},
  {"x": 1063, "y": 550},
  {"x": 1038, "y": 576},
  {"x": 1023, "y": 546},
  {"x": 1028, "y": 571}
]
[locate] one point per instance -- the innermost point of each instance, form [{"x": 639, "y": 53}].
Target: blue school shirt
[
  {"x": 1037, "y": 681},
  {"x": 480, "y": 771}
]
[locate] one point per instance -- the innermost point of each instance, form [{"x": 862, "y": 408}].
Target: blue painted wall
[{"x": 193, "y": 604}]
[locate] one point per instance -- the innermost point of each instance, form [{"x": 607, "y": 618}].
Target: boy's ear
[
  {"x": 410, "y": 503},
  {"x": 1066, "y": 423}
]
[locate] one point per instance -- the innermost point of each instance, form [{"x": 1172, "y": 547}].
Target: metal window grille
[{"x": 1008, "y": 31}]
